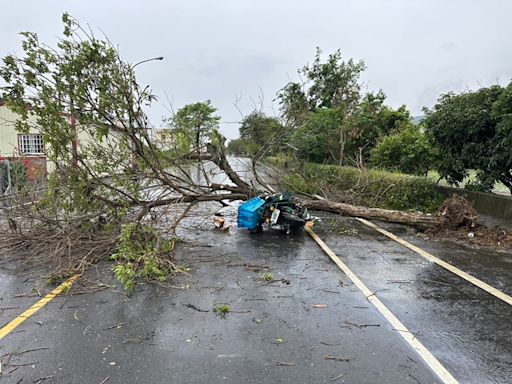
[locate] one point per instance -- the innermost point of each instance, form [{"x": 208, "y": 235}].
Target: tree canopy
[
  {"x": 473, "y": 131},
  {"x": 408, "y": 151},
  {"x": 332, "y": 120},
  {"x": 110, "y": 183},
  {"x": 195, "y": 123},
  {"x": 330, "y": 84}
]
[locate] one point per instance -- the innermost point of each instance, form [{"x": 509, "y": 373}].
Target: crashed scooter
[{"x": 273, "y": 212}]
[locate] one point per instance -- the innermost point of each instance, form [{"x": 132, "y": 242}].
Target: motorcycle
[{"x": 274, "y": 212}]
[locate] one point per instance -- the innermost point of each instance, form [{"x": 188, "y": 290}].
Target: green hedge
[{"x": 371, "y": 188}]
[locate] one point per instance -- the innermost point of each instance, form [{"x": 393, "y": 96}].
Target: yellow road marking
[
  {"x": 424, "y": 353},
  {"x": 466, "y": 276},
  {"x": 8, "y": 328}
]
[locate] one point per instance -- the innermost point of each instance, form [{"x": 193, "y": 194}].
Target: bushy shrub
[
  {"x": 371, "y": 188},
  {"x": 142, "y": 253},
  {"x": 408, "y": 151},
  {"x": 17, "y": 173}
]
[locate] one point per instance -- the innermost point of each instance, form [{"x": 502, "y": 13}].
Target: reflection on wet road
[{"x": 469, "y": 330}]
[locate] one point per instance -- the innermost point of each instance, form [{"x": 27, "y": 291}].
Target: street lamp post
[
  {"x": 159, "y": 58},
  {"x": 145, "y": 61}
]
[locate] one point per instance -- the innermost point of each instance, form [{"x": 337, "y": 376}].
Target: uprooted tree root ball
[{"x": 456, "y": 212}]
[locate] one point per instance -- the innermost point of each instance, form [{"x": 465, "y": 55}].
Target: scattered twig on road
[
  {"x": 248, "y": 266},
  {"x": 329, "y": 343},
  {"x": 31, "y": 350},
  {"x": 5, "y": 308},
  {"x": 119, "y": 325},
  {"x": 285, "y": 281},
  {"x": 24, "y": 364},
  {"x": 334, "y": 358},
  {"x": 105, "y": 380},
  {"x": 206, "y": 260},
  {"x": 328, "y": 291},
  {"x": 192, "y": 306},
  {"x": 39, "y": 381},
  {"x": 378, "y": 290},
  {"x": 338, "y": 377},
  {"x": 361, "y": 325},
  {"x": 437, "y": 282},
  {"x": 86, "y": 329},
  {"x": 25, "y": 295},
  {"x": 284, "y": 364}
]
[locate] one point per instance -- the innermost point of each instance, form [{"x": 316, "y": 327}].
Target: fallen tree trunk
[
  {"x": 417, "y": 220},
  {"x": 454, "y": 212}
]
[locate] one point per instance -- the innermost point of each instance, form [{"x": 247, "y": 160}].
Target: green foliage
[
  {"x": 142, "y": 253},
  {"x": 477, "y": 186},
  {"x": 317, "y": 138},
  {"x": 293, "y": 103},
  {"x": 18, "y": 175},
  {"x": 221, "y": 310},
  {"x": 370, "y": 121},
  {"x": 259, "y": 128},
  {"x": 371, "y": 188},
  {"x": 407, "y": 151},
  {"x": 242, "y": 147},
  {"x": 330, "y": 84},
  {"x": 267, "y": 277},
  {"x": 81, "y": 91},
  {"x": 333, "y": 121},
  {"x": 194, "y": 124},
  {"x": 259, "y": 131},
  {"x": 473, "y": 130}
]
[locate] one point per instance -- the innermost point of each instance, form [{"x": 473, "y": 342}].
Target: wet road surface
[{"x": 275, "y": 335}]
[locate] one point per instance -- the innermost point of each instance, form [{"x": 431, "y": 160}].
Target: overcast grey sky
[{"x": 224, "y": 49}]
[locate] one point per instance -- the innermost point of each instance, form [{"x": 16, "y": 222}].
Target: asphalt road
[{"x": 275, "y": 334}]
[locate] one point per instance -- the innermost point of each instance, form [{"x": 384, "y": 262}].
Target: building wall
[{"x": 8, "y": 133}]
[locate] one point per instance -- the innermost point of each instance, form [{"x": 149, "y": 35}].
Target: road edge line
[
  {"x": 10, "y": 326},
  {"x": 434, "y": 364},
  {"x": 449, "y": 267}
]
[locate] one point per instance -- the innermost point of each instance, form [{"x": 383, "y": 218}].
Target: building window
[{"x": 31, "y": 144}]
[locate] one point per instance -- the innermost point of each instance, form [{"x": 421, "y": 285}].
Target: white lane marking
[
  {"x": 443, "y": 374},
  {"x": 466, "y": 276}
]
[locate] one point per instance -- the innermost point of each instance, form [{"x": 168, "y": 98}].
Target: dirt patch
[
  {"x": 459, "y": 223},
  {"x": 492, "y": 237}
]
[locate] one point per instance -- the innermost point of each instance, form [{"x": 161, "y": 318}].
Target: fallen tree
[
  {"x": 113, "y": 187},
  {"x": 417, "y": 220},
  {"x": 455, "y": 212}
]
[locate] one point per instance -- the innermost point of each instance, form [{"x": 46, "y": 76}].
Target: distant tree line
[{"x": 327, "y": 118}]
